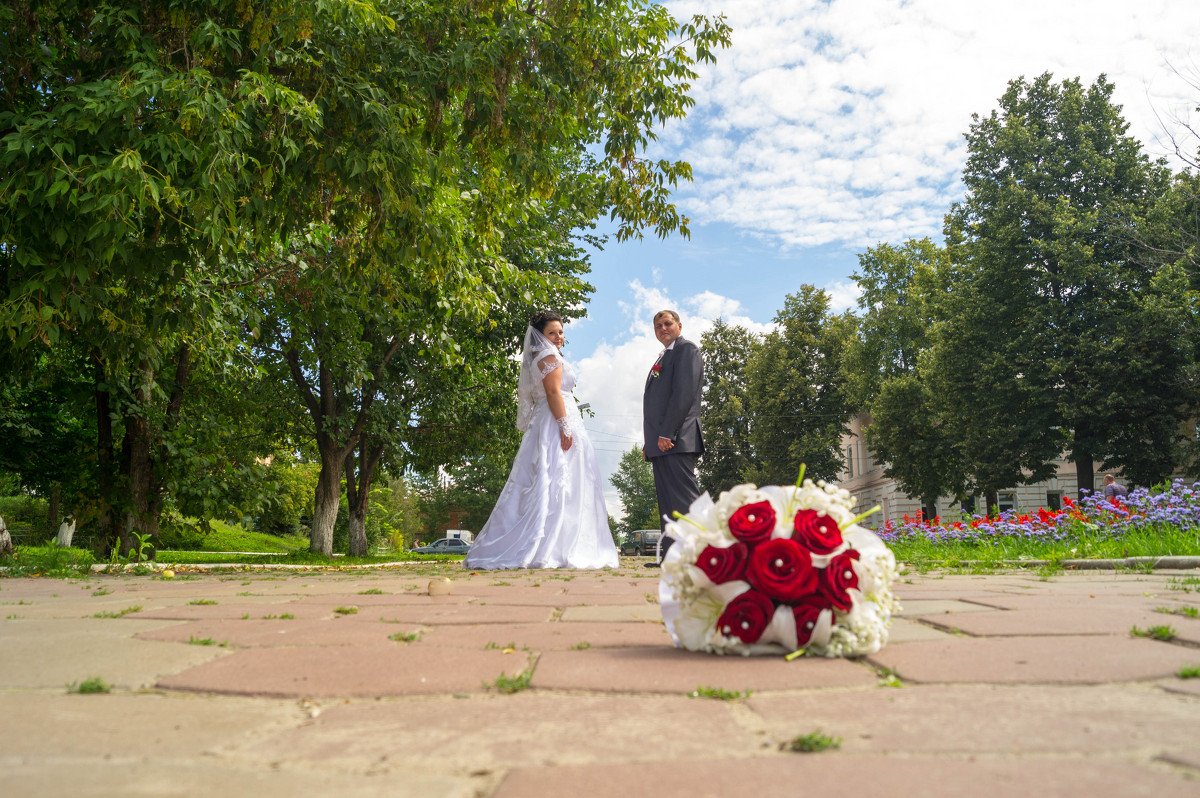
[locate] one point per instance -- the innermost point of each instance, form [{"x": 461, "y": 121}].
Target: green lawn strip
[{"x": 1005, "y": 551}]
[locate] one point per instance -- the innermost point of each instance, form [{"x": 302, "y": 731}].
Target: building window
[
  {"x": 930, "y": 511},
  {"x": 1006, "y": 501},
  {"x": 850, "y": 461},
  {"x": 1054, "y": 500}
]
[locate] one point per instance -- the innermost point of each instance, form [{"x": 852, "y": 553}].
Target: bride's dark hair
[{"x": 540, "y": 319}]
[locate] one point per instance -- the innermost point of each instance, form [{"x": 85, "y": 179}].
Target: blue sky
[{"x": 830, "y": 127}]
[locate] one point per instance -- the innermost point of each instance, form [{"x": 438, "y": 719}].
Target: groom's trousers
[{"x": 675, "y": 484}]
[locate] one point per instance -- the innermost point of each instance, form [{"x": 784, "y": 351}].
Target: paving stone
[
  {"x": 634, "y": 613},
  {"x": 386, "y": 600},
  {"x": 669, "y": 670},
  {"x": 919, "y": 608},
  {"x": 456, "y": 614},
  {"x": 1034, "y": 660},
  {"x": 547, "y": 636},
  {"x": 904, "y": 630},
  {"x": 90, "y": 778},
  {"x": 353, "y": 671},
  {"x": 837, "y": 774},
  {"x": 1061, "y": 621},
  {"x": 504, "y": 731},
  {"x": 234, "y": 611},
  {"x": 167, "y": 726},
  {"x": 1020, "y": 720},
  {"x": 1182, "y": 686},
  {"x": 56, "y": 653},
  {"x": 256, "y": 632}
]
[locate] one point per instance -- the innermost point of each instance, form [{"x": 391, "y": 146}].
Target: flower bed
[{"x": 1175, "y": 507}]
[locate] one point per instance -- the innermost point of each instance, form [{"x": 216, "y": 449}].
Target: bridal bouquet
[{"x": 777, "y": 570}]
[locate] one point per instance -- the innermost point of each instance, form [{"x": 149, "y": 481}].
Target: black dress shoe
[{"x": 652, "y": 565}]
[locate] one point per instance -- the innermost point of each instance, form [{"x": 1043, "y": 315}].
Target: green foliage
[
  {"x": 1162, "y": 632},
  {"x": 719, "y": 694},
  {"x": 182, "y": 535},
  {"x": 405, "y": 637},
  {"x": 91, "y": 685},
  {"x": 49, "y": 560},
  {"x": 1189, "y": 672},
  {"x": 634, "y": 481},
  {"x": 1050, "y": 303},
  {"x": 811, "y": 743},
  {"x": 797, "y": 403},
  {"x": 287, "y": 497},
  {"x": 121, "y": 613},
  {"x": 511, "y": 684},
  {"x": 728, "y": 454}
]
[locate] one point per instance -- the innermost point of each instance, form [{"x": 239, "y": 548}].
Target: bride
[{"x": 551, "y": 513}]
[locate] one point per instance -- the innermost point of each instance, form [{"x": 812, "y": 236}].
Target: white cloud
[
  {"x": 843, "y": 121},
  {"x": 612, "y": 378}
]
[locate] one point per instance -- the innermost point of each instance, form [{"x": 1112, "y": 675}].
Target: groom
[{"x": 671, "y": 419}]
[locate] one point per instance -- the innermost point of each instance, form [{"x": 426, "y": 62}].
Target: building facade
[{"x": 864, "y": 478}]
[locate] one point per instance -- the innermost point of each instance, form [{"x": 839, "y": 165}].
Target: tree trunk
[
  {"x": 54, "y": 512},
  {"x": 1085, "y": 475},
  {"x": 358, "y": 492},
  {"x": 108, "y": 537},
  {"x": 325, "y": 503},
  {"x": 142, "y": 515}
]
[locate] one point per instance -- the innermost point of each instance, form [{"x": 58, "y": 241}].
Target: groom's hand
[{"x": 665, "y": 444}]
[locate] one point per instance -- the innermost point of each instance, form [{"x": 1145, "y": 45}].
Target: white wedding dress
[{"x": 551, "y": 513}]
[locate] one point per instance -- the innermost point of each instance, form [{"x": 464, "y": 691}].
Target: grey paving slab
[
  {"x": 1190, "y": 687},
  {"x": 259, "y": 632},
  {"x": 665, "y": 670},
  {"x": 55, "y": 653},
  {"x": 384, "y": 669},
  {"x": 838, "y": 774},
  {"x": 90, "y": 778},
  {"x": 474, "y": 613},
  {"x": 36, "y": 724},
  {"x": 631, "y": 613},
  {"x": 905, "y": 630},
  {"x": 1061, "y": 621},
  {"x": 974, "y": 719},
  {"x": 550, "y": 636},
  {"x": 504, "y": 731},
  {"x": 1034, "y": 660},
  {"x": 928, "y": 607}
]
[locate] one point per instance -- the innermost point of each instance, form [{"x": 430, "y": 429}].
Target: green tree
[
  {"x": 1052, "y": 341},
  {"x": 798, "y": 408},
  {"x": 724, "y": 416},
  {"x": 900, "y": 305},
  {"x": 634, "y": 481}
]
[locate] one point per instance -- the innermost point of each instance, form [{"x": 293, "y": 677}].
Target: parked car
[
  {"x": 445, "y": 546},
  {"x": 642, "y": 542}
]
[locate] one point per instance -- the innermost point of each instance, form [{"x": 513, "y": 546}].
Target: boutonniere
[{"x": 655, "y": 369}]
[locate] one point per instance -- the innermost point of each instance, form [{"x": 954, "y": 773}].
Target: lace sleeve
[{"x": 549, "y": 364}]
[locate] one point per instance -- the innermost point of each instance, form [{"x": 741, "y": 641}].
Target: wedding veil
[{"x": 530, "y": 389}]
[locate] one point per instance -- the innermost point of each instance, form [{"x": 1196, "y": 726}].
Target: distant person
[
  {"x": 1114, "y": 489},
  {"x": 671, "y": 419},
  {"x": 551, "y": 513}
]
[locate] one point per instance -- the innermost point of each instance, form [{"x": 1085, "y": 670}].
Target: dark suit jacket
[{"x": 671, "y": 403}]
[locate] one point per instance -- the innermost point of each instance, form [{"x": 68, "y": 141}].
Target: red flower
[
  {"x": 807, "y": 611},
  {"x": 838, "y": 577},
  {"x": 753, "y": 523},
  {"x": 723, "y": 564},
  {"x": 782, "y": 569},
  {"x": 817, "y": 533},
  {"x": 746, "y": 617}
]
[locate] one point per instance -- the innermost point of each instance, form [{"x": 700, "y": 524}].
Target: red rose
[
  {"x": 838, "y": 577},
  {"x": 782, "y": 569},
  {"x": 807, "y": 611},
  {"x": 817, "y": 533},
  {"x": 723, "y": 564},
  {"x": 753, "y": 523},
  {"x": 746, "y": 617}
]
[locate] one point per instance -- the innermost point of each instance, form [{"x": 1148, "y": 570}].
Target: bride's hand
[{"x": 564, "y": 440}]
